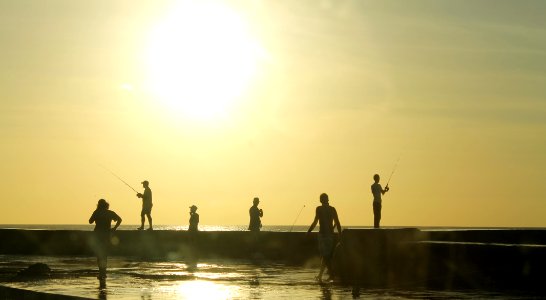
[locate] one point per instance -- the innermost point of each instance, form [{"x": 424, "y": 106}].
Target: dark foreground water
[{"x": 227, "y": 279}]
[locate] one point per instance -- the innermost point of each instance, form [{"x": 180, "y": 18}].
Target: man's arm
[
  {"x": 383, "y": 191},
  {"x": 118, "y": 222},
  {"x": 315, "y": 221},
  {"x": 92, "y": 218},
  {"x": 336, "y": 222}
]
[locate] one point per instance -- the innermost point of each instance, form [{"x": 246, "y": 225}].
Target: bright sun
[{"x": 201, "y": 59}]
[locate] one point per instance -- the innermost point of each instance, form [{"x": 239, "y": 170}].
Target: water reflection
[
  {"x": 201, "y": 289},
  {"x": 103, "y": 294},
  {"x": 326, "y": 291},
  {"x": 130, "y": 278},
  {"x": 254, "y": 288}
]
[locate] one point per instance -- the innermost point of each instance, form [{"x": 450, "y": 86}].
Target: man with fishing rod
[
  {"x": 146, "y": 205},
  {"x": 377, "y": 191},
  {"x": 146, "y": 199}
]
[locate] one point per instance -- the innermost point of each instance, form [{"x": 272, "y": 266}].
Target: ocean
[
  {"x": 275, "y": 228},
  {"x": 132, "y": 278}
]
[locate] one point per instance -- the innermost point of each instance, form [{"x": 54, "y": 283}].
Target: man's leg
[
  {"x": 141, "y": 220},
  {"x": 101, "y": 262},
  {"x": 322, "y": 267},
  {"x": 329, "y": 268},
  {"x": 376, "y": 214},
  {"x": 149, "y": 215}
]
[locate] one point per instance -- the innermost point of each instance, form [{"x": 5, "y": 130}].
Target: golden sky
[{"x": 217, "y": 102}]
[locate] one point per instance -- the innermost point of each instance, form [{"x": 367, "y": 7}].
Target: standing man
[
  {"x": 194, "y": 219},
  {"x": 377, "y": 191},
  {"x": 255, "y": 215},
  {"x": 103, "y": 218},
  {"x": 146, "y": 205},
  {"x": 326, "y": 216}
]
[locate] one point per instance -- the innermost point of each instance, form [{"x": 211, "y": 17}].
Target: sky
[{"x": 218, "y": 102}]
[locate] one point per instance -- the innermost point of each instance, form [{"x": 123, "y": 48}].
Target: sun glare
[
  {"x": 201, "y": 59},
  {"x": 198, "y": 289}
]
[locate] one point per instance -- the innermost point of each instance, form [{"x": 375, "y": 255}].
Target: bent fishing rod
[
  {"x": 119, "y": 178},
  {"x": 292, "y": 227}
]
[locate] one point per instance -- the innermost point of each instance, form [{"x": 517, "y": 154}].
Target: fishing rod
[
  {"x": 119, "y": 178},
  {"x": 296, "y": 218},
  {"x": 393, "y": 169}
]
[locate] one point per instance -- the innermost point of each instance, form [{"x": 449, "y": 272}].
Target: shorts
[
  {"x": 146, "y": 210},
  {"x": 326, "y": 244},
  {"x": 101, "y": 243}
]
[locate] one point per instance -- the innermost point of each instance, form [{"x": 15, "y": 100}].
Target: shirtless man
[
  {"x": 326, "y": 216},
  {"x": 377, "y": 191}
]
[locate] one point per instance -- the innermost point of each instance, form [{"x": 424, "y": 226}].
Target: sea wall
[
  {"x": 409, "y": 258},
  {"x": 391, "y": 258},
  {"x": 288, "y": 247}
]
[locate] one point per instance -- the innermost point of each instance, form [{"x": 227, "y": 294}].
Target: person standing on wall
[
  {"x": 146, "y": 205},
  {"x": 255, "y": 216},
  {"x": 194, "y": 219},
  {"x": 377, "y": 192}
]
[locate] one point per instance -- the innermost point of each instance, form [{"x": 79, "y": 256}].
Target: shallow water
[{"x": 212, "y": 279}]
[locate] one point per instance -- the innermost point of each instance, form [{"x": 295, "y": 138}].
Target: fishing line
[
  {"x": 296, "y": 218},
  {"x": 118, "y": 178},
  {"x": 393, "y": 169}
]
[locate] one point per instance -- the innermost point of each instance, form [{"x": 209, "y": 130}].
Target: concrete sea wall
[
  {"x": 391, "y": 258},
  {"x": 408, "y": 258},
  {"x": 288, "y": 247}
]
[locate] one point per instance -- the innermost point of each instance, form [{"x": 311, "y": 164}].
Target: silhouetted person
[
  {"x": 146, "y": 205},
  {"x": 255, "y": 215},
  {"x": 326, "y": 216},
  {"x": 194, "y": 219},
  {"x": 377, "y": 191},
  {"x": 103, "y": 218}
]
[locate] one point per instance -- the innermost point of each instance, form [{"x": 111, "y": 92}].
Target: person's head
[
  {"x": 193, "y": 208},
  {"x": 145, "y": 183},
  {"x": 256, "y": 201},
  {"x": 102, "y": 204},
  {"x": 324, "y": 198},
  {"x": 376, "y": 177}
]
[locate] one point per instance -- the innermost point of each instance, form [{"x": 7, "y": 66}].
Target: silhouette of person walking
[
  {"x": 377, "y": 191},
  {"x": 146, "y": 205},
  {"x": 328, "y": 220},
  {"x": 255, "y": 215},
  {"x": 103, "y": 218},
  {"x": 194, "y": 219}
]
